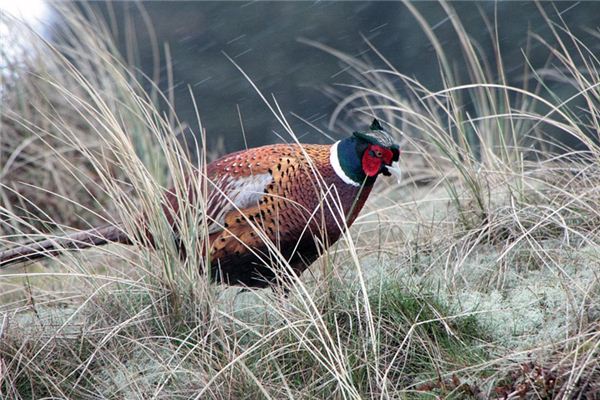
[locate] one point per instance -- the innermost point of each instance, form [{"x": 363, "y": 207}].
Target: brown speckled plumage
[{"x": 296, "y": 209}]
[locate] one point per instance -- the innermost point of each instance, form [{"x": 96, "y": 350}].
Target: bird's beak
[{"x": 395, "y": 170}]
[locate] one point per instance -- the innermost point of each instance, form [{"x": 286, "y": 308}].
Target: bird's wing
[{"x": 235, "y": 183}]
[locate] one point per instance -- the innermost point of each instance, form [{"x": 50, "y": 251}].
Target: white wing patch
[
  {"x": 234, "y": 193},
  {"x": 248, "y": 190}
]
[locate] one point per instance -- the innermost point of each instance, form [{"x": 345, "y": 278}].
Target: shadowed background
[{"x": 263, "y": 38}]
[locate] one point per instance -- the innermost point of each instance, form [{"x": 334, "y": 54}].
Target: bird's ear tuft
[
  {"x": 375, "y": 135},
  {"x": 375, "y": 125}
]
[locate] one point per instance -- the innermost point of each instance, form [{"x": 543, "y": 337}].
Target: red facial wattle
[{"x": 374, "y": 157}]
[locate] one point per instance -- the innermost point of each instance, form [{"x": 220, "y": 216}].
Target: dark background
[{"x": 263, "y": 38}]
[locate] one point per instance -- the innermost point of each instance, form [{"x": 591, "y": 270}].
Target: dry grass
[{"x": 482, "y": 281}]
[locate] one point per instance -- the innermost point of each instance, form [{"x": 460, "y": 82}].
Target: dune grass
[{"x": 476, "y": 278}]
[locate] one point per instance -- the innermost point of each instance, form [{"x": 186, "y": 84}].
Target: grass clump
[{"x": 133, "y": 343}]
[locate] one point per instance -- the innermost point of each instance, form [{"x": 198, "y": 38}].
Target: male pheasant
[{"x": 296, "y": 198}]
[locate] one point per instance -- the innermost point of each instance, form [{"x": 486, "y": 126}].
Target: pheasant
[{"x": 296, "y": 198}]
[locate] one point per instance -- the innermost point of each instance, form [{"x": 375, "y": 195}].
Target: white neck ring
[{"x": 335, "y": 163}]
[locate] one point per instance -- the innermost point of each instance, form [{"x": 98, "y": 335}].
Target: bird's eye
[{"x": 378, "y": 154}]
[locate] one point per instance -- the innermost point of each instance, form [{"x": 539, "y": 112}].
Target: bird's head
[{"x": 365, "y": 155}]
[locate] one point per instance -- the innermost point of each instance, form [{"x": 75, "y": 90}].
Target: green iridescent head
[{"x": 366, "y": 154}]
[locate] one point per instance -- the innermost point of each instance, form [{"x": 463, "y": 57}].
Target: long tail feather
[{"x": 52, "y": 247}]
